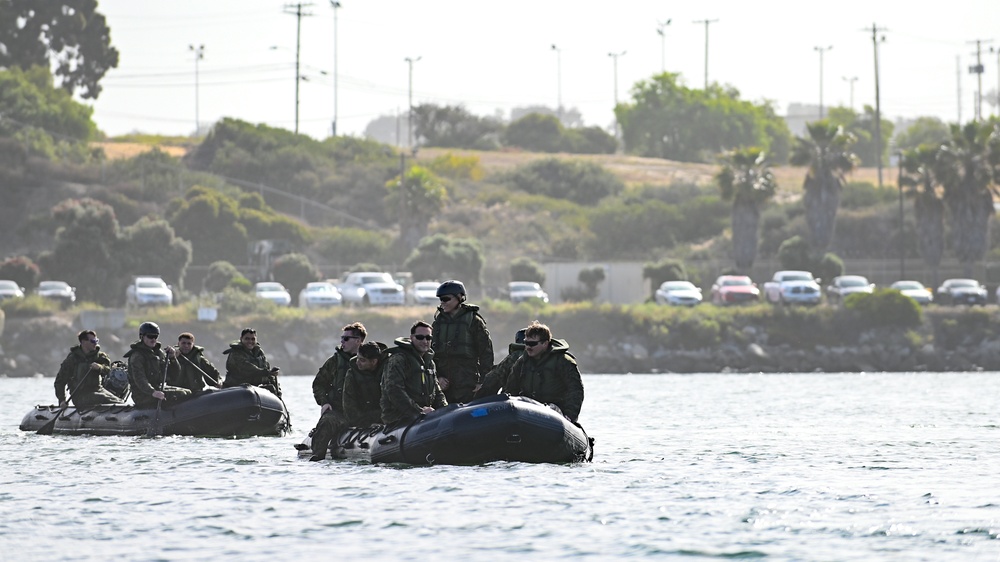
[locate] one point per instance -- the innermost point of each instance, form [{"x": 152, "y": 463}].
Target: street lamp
[
  {"x": 336, "y": 6},
  {"x": 661, "y": 29},
  {"x": 409, "y": 118},
  {"x": 614, "y": 57},
  {"x": 199, "y": 53},
  {"x": 821, "y": 50},
  {"x": 851, "y": 80},
  {"x": 706, "y": 22},
  {"x": 902, "y": 240},
  {"x": 558, "y": 78}
]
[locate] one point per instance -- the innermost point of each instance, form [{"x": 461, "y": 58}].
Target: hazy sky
[{"x": 494, "y": 56}]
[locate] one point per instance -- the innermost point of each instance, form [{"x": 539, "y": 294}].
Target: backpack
[{"x": 116, "y": 381}]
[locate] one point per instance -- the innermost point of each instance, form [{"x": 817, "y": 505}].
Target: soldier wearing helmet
[
  {"x": 149, "y": 367},
  {"x": 463, "y": 351}
]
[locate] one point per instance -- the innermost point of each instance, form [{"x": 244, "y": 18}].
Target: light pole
[
  {"x": 997, "y": 98},
  {"x": 558, "y": 79},
  {"x": 852, "y": 80},
  {"x": 299, "y": 14},
  {"x": 706, "y": 22},
  {"x": 902, "y": 247},
  {"x": 409, "y": 118},
  {"x": 661, "y": 29},
  {"x": 336, "y": 6},
  {"x": 199, "y": 53},
  {"x": 614, "y": 57},
  {"x": 821, "y": 50},
  {"x": 878, "y": 105}
]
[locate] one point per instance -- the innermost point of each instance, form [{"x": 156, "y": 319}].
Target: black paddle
[
  {"x": 154, "y": 428},
  {"x": 206, "y": 376},
  {"x": 51, "y": 424}
]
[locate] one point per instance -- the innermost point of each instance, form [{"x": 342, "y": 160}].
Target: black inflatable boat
[
  {"x": 494, "y": 428},
  {"x": 228, "y": 412}
]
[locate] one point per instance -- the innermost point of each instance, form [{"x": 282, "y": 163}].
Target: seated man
[
  {"x": 247, "y": 364},
  {"x": 149, "y": 368},
  {"x": 363, "y": 387},
  {"x": 195, "y": 369},
  {"x": 547, "y": 372},
  {"x": 82, "y": 371},
  {"x": 409, "y": 382}
]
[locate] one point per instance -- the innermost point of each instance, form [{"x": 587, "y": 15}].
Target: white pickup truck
[
  {"x": 371, "y": 288},
  {"x": 149, "y": 291},
  {"x": 793, "y": 287}
]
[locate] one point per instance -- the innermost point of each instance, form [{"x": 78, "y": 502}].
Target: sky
[{"x": 494, "y": 56}]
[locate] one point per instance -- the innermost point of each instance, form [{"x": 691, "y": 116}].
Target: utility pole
[
  {"x": 661, "y": 29},
  {"x": 997, "y": 98},
  {"x": 336, "y": 6},
  {"x": 199, "y": 53},
  {"x": 821, "y": 50},
  {"x": 851, "y": 80},
  {"x": 978, "y": 69},
  {"x": 706, "y": 22},
  {"x": 878, "y": 105},
  {"x": 409, "y": 118},
  {"x": 299, "y": 14},
  {"x": 958, "y": 82},
  {"x": 558, "y": 79},
  {"x": 902, "y": 239},
  {"x": 614, "y": 57}
]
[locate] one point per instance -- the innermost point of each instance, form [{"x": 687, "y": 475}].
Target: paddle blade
[{"x": 51, "y": 424}]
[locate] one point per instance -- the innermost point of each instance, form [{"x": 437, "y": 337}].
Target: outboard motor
[{"x": 116, "y": 381}]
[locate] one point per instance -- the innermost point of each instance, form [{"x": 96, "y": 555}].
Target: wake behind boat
[
  {"x": 228, "y": 412},
  {"x": 500, "y": 427}
]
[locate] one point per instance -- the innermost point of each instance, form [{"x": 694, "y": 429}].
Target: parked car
[
  {"x": 844, "y": 285},
  {"x": 423, "y": 293},
  {"x": 915, "y": 290},
  {"x": 521, "y": 291},
  {"x": 961, "y": 291},
  {"x": 149, "y": 291},
  {"x": 371, "y": 288},
  {"x": 274, "y": 292},
  {"x": 57, "y": 291},
  {"x": 319, "y": 294},
  {"x": 678, "y": 293},
  {"x": 793, "y": 287},
  {"x": 10, "y": 290},
  {"x": 734, "y": 289}
]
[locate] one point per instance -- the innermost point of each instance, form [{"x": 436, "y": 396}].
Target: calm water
[{"x": 693, "y": 467}]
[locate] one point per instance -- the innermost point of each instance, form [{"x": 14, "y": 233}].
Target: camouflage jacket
[
  {"x": 551, "y": 378},
  {"x": 328, "y": 386},
  {"x": 76, "y": 366},
  {"x": 409, "y": 383}
]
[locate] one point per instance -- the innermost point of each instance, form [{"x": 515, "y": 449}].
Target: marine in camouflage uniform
[
  {"x": 409, "y": 381},
  {"x": 191, "y": 361},
  {"x": 497, "y": 377},
  {"x": 84, "y": 369},
  {"x": 247, "y": 364},
  {"x": 328, "y": 390},
  {"x": 547, "y": 372},
  {"x": 463, "y": 350},
  {"x": 146, "y": 365},
  {"x": 363, "y": 386}
]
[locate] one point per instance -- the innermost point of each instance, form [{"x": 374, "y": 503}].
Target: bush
[
  {"x": 884, "y": 307},
  {"x": 20, "y": 270},
  {"x": 221, "y": 274},
  {"x": 663, "y": 270},
  {"x": 29, "y": 306},
  {"x": 526, "y": 269},
  {"x": 294, "y": 271},
  {"x": 585, "y": 183}
]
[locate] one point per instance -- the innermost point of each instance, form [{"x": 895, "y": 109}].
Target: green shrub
[
  {"x": 884, "y": 307},
  {"x": 29, "y": 306},
  {"x": 526, "y": 269},
  {"x": 21, "y": 270},
  {"x": 221, "y": 274}
]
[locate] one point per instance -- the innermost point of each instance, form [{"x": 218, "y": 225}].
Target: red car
[{"x": 734, "y": 289}]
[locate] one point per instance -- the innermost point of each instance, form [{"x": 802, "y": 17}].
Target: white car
[
  {"x": 320, "y": 294},
  {"x": 423, "y": 293},
  {"x": 915, "y": 290},
  {"x": 372, "y": 288},
  {"x": 274, "y": 292},
  {"x": 793, "y": 287},
  {"x": 521, "y": 291},
  {"x": 149, "y": 291},
  {"x": 678, "y": 293},
  {"x": 10, "y": 290},
  {"x": 58, "y": 291}
]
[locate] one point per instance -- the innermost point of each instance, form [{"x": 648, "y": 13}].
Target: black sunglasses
[
  {"x": 531, "y": 343},
  {"x": 152, "y": 336},
  {"x": 95, "y": 341},
  {"x": 445, "y": 299},
  {"x": 422, "y": 337},
  {"x": 349, "y": 338}
]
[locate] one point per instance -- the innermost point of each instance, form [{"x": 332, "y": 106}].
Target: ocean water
[{"x": 831, "y": 467}]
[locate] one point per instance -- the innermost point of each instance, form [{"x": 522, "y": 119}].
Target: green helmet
[
  {"x": 451, "y": 287},
  {"x": 148, "y": 328}
]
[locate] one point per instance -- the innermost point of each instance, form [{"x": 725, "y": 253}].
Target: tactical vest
[{"x": 453, "y": 335}]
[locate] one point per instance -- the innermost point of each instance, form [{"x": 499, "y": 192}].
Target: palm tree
[
  {"x": 918, "y": 176},
  {"x": 966, "y": 166},
  {"x": 827, "y": 153},
  {"x": 747, "y": 181},
  {"x": 414, "y": 201}
]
